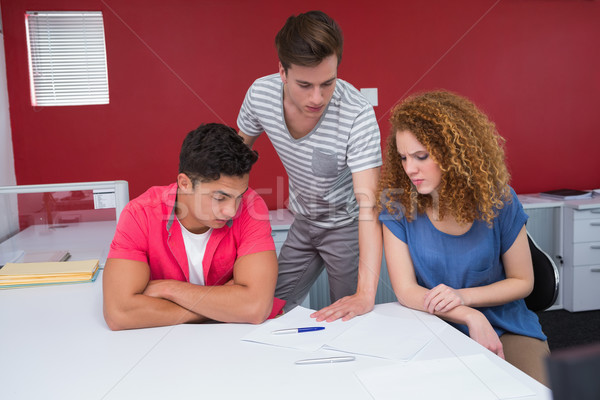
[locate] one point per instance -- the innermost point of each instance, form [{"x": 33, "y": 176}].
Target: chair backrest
[{"x": 545, "y": 287}]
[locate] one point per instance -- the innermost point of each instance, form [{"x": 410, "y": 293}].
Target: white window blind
[{"x": 67, "y": 58}]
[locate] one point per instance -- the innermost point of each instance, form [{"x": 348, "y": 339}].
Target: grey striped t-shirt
[{"x": 319, "y": 165}]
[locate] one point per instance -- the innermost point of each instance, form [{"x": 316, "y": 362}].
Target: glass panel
[{"x": 57, "y": 225}]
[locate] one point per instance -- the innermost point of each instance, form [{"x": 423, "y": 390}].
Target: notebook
[{"x": 566, "y": 194}]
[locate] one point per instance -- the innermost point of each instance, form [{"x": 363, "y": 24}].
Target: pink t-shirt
[{"x": 148, "y": 231}]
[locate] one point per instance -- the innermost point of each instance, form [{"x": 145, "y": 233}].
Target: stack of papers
[
  {"x": 394, "y": 338},
  {"x": 398, "y": 335},
  {"x": 44, "y": 273}
]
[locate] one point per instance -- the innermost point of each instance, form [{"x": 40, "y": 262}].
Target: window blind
[{"x": 67, "y": 58}]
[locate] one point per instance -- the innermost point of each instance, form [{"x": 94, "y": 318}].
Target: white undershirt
[{"x": 195, "y": 247}]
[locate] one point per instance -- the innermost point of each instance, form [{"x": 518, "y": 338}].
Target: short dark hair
[
  {"x": 213, "y": 150},
  {"x": 307, "y": 39}
]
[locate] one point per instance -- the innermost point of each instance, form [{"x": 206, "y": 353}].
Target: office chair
[{"x": 545, "y": 287}]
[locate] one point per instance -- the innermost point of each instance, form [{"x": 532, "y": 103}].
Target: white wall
[{"x": 8, "y": 207}]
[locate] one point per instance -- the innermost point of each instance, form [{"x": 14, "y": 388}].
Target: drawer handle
[
  {"x": 595, "y": 211},
  {"x": 595, "y": 247},
  {"x": 595, "y": 223},
  {"x": 595, "y": 269}
]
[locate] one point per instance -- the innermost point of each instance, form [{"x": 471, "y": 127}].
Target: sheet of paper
[
  {"x": 472, "y": 377},
  {"x": 383, "y": 336},
  {"x": 297, "y": 318},
  {"x": 435, "y": 324}
]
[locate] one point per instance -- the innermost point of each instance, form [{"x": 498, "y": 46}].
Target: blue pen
[{"x": 298, "y": 330}]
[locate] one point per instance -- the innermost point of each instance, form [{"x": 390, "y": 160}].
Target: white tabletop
[{"x": 54, "y": 344}]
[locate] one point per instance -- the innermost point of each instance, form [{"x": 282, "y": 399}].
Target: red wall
[{"x": 533, "y": 65}]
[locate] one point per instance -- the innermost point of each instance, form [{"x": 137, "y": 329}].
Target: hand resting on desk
[{"x": 345, "y": 308}]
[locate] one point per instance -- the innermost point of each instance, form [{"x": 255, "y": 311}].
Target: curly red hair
[{"x": 469, "y": 151}]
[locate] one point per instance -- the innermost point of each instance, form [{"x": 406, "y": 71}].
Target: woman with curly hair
[{"x": 454, "y": 230}]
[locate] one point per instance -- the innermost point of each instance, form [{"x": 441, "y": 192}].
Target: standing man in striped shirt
[{"x": 326, "y": 135}]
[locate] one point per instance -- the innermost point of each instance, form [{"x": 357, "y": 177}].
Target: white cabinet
[{"x": 582, "y": 255}]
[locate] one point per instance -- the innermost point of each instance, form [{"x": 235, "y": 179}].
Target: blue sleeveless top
[{"x": 468, "y": 260}]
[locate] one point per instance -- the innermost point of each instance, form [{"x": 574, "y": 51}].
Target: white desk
[
  {"x": 54, "y": 344},
  {"x": 84, "y": 240}
]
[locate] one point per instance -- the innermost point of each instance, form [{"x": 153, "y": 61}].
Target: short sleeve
[
  {"x": 511, "y": 220},
  {"x": 396, "y": 225},
  {"x": 364, "y": 145},
  {"x": 247, "y": 120},
  {"x": 131, "y": 236},
  {"x": 255, "y": 227}
]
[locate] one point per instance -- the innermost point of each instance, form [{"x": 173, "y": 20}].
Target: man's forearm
[
  {"x": 370, "y": 252},
  {"x": 143, "y": 311},
  {"x": 370, "y": 237},
  {"x": 227, "y": 303}
]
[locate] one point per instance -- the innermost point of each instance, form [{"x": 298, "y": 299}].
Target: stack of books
[
  {"x": 46, "y": 273},
  {"x": 566, "y": 194}
]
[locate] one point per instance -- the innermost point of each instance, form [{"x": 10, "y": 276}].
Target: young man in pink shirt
[{"x": 199, "y": 249}]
